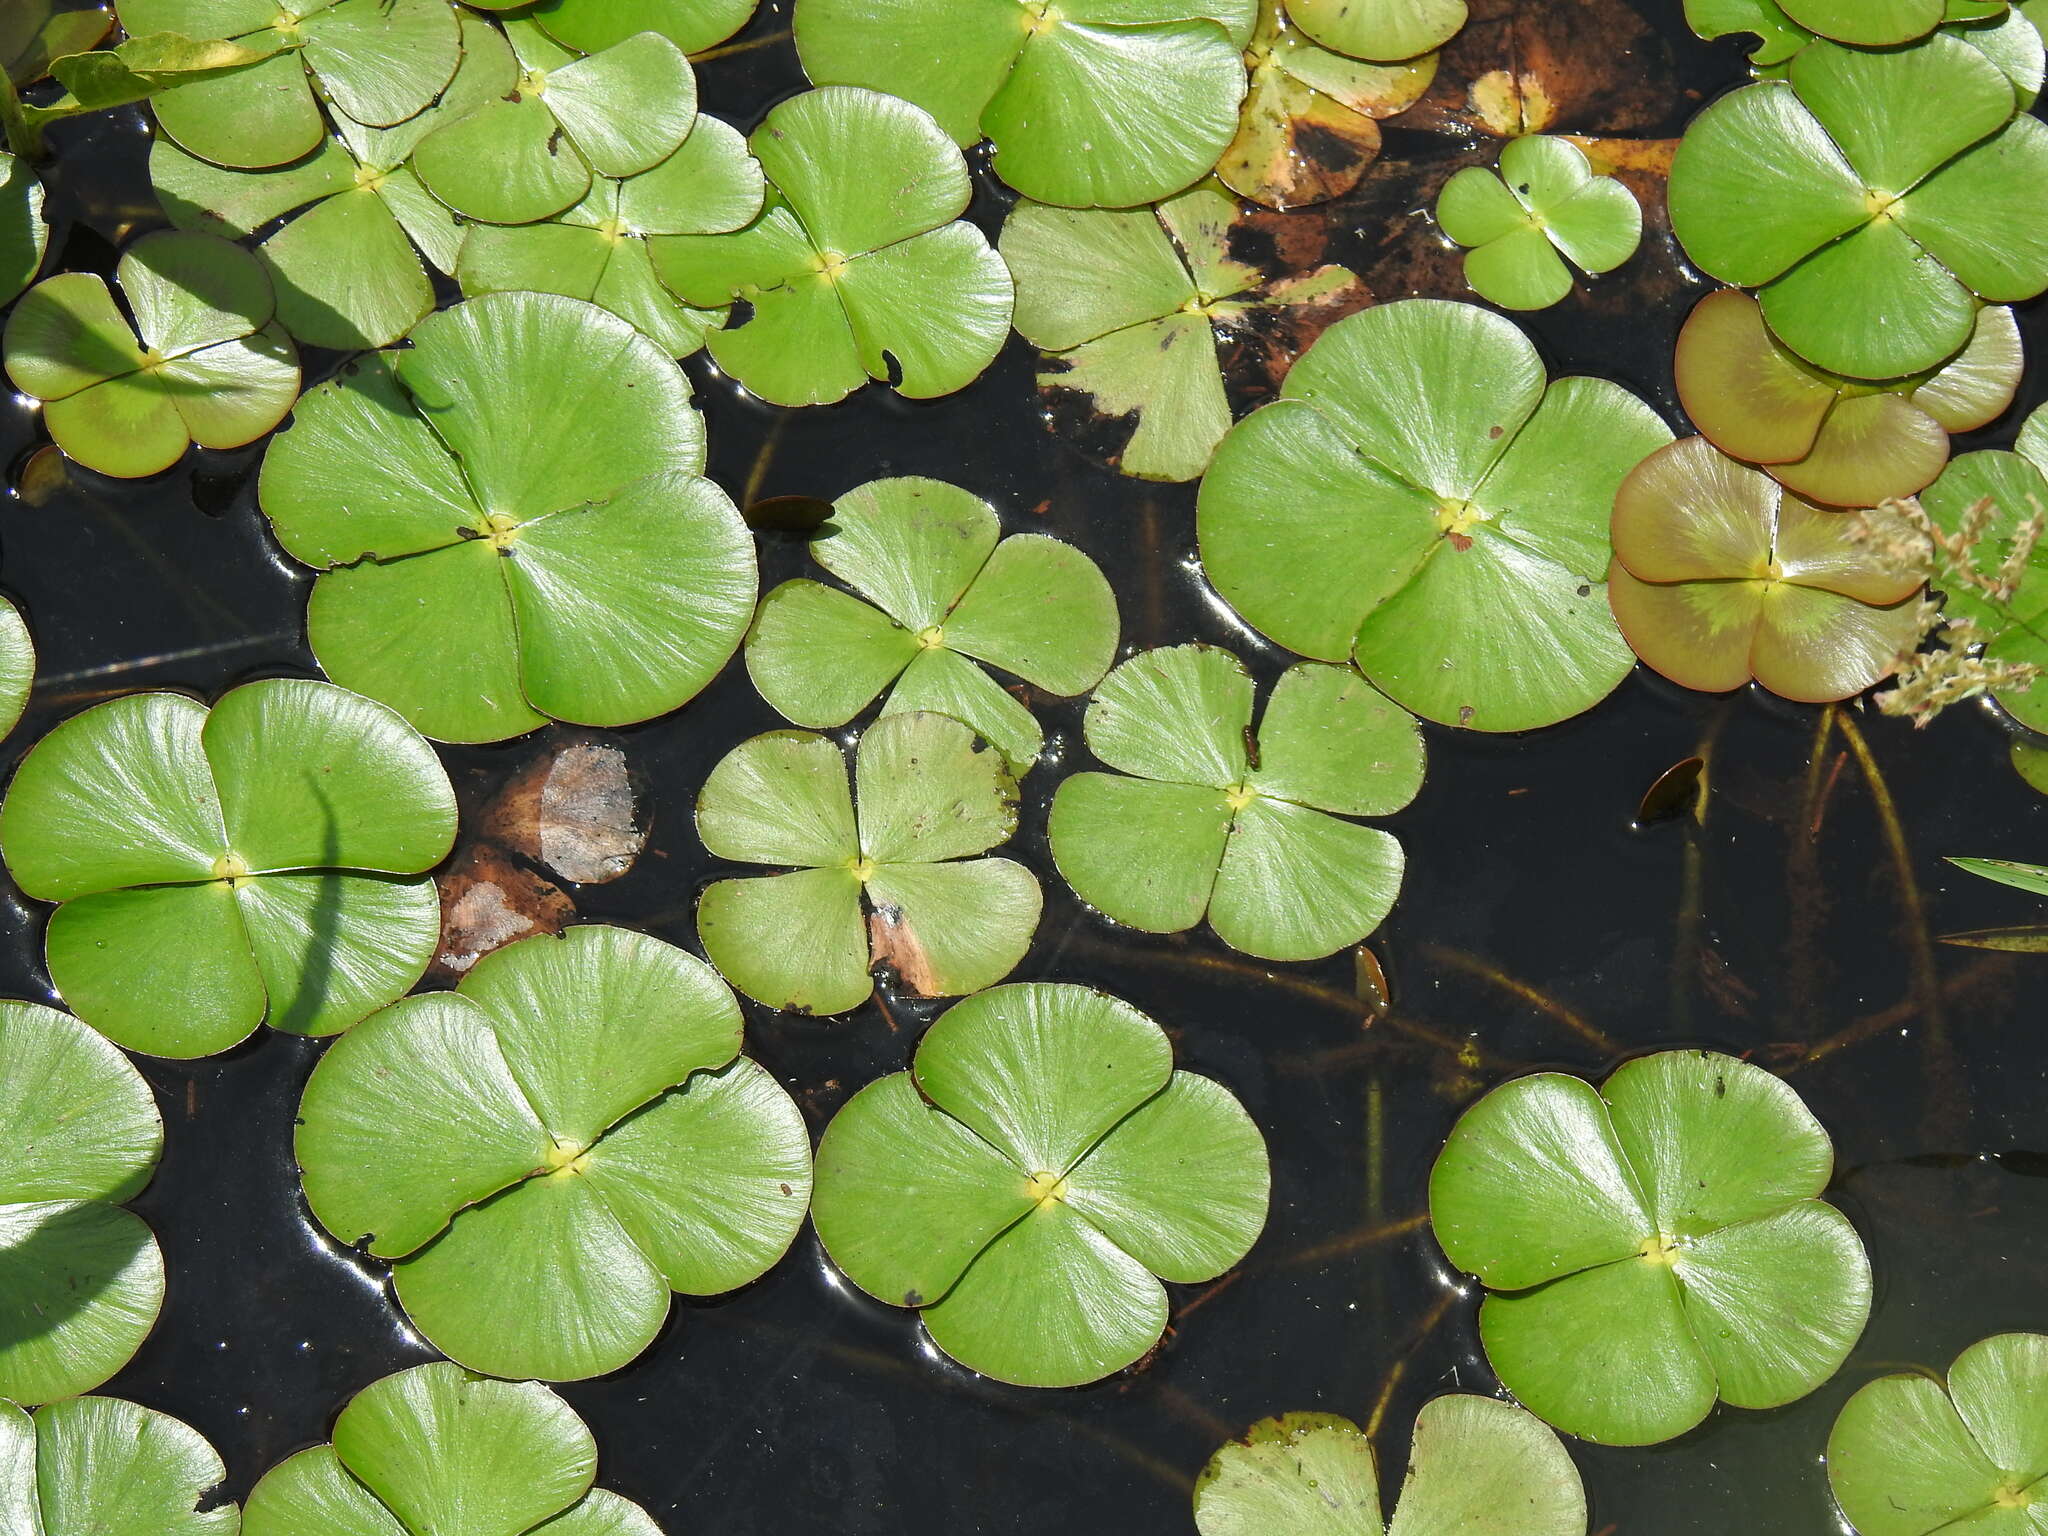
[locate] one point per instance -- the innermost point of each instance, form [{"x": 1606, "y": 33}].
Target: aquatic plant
[
  {"x": 436, "y": 1449},
  {"x": 1844, "y": 442},
  {"x": 218, "y": 869},
  {"x": 1721, "y": 575},
  {"x": 81, "y": 1279},
  {"x": 190, "y": 355},
  {"x": 1379, "y": 29},
  {"x": 1421, "y": 500},
  {"x": 1835, "y": 193},
  {"x": 1098, "y": 105},
  {"x": 1204, "y": 817},
  {"x": 1033, "y": 1177},
  {"x": 1653, "y": 1247},
  {"x": 549, "y": 1151},
  {"x": 938, "y": 589},
  {"x": 590, "y": 25},
  {"x": 1546, "y": 204},
  {"x": 1477, "y": 1467},
  {"x": 24, "y": 237},
  {"x": 554, "y": 551},
  {"x": 848, "y": 279},
  {"x": 111, "y": 1467},
  {"x": 1912, "y": 1454},
  {"x": 1131, "y": 307},
  {"x": 886, "y": 873}
]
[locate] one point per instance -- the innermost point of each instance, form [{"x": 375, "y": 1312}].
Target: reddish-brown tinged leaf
[
  {"x": 1697, "y": 633},
  {"x": 1871, "y": 448},
  {"x": 1815, "y": 646},
  {"x": 1688, "y": 513},
  {"x": 1746, "y": 394}
]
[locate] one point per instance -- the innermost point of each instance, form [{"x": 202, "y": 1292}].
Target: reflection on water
[{"x": 1538, "y": 928}]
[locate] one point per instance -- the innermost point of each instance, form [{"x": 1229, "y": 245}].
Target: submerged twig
[
  {"x": 746, "y": 45},
  {"x": 1472, "y": 965},
  {"x": 1368, "y": 1236},
  {"x": 1388, "y": 1386}
]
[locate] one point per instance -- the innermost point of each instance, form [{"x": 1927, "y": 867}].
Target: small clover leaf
[
  {"x": 24, "y": 237},
  {"x": 1721, "y": 575},
  {"x": 1421, "y": 499},
  {"x": 569, "y": 117},
  {"x": 217, "y": 869},
  {"x": 110, "y": 1467},
  {"x": 1131, "y": 308},
  {"x": 1913, "y": 1454},
  {"x": 1379, "y": 29},
  {"x": 1827, "y": 438},
  {"x": 200, "y": 361},
  {"x": 927, "y": 797},
  {"x": 943, "y": 590},
  {"x": 2016, "y": 487},
  {"x": 848, "y": 279},
  {"x": 378, "y": 61},
  {"x": 591, "y": 25},
  {"x": 1309, "y": 126},
  {"x": 549, "y": 1151},
  {"x": 33, "y": 33},
  {"x": 1034, "y": 1177},
  {"x": 1856, "y": 200},
  {"x": 1651, "y": 1247},
  {"x": 511, "y": 523},
  {"x": 1547, "y": 199},
  {"x": 1206, "y": 818},
  {"x": 81, "y": 1279},
  {"x": 597, "y": 250},
  {"x": 349, "y": 262},
  {"x": 1477, "y": 1467},
  {"x": 1090, "y": 103},
  {"x": 436, "y": 1449}
]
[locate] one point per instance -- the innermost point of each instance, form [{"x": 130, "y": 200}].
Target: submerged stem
[
  {"x": 22, "y": 136},
  {"x": 1514, "y": 986}
]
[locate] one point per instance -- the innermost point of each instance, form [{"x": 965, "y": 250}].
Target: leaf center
[
  {"x": 2012, "y": 1496},
  {"x": 1881, "y": 206},
  {"x": 230, "y": 866},
  {"x": 1040, "y": 18},
  {"x": 534, "y": 81},
  {"x": 1042, "y": 1188},
  {"x": 931, "y": 637},
  {"x": 1661, "y": 1248},
  {"x": 1456, "y": 519},
  {"x": 566, "y": 1157},
  {"x": 831, "y": 264},
  {"x": 863, "y": 869},
  {"x": 1238, "y": 796},
  {"x": 500, "y": 530}
]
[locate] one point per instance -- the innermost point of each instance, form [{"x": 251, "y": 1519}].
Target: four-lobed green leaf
[
  {"x": 935, "y": 589},
  {"x": 511, "y": 522},
  {"x": 24, "y": 237},
  {"x": 884, "y": 872},
  {"x": 81, "y": 1279},
  {"x": 1032, "y": 1180},
  {"x": 217, "y": 869},
  {"x": 1421, "y": 500},
  {"x": 1203, "y": 817},
  {"x": 548, "y": 1152},
  {"x": 1476, "y": 1467},
  {"x": 1546, "y": 204},
  {"x": 108, "y": 1467},
  {"x": 849, "y": 278},
  {"x": 1653, "y": 1247},
  {"x": 200, "y": 360},
  {"x": 437, "y": 1449}
]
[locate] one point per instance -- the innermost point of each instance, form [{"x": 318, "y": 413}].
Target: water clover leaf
[
  {"x": 1203, "y": 817},
  {"x": 927, "y": 797},
  {"x": 1546, "y": 199},
  {"x": 1835, "y": 192},
  {"x": 591, "y": 25},
  {"x": 850, "y": 278},
  {"x": 1478, "y": 1467},
  {"x": 1131, "y": 306},
  {"x": 942, "y": 591},
  {"x": 1309, "y": 126},
  {"x": 1653, "y": 1246},
  {"x": 194, "y": 357},
  {"x": 1879, "y": 23},
  {"x": 597, "y": 249},
  {"x": 1034, "y": 1177},
  {"x": 437, "y": 1449},
  {"x": 17, "y": 665},
  {"x": 570, "y": 116},
  {"x": 1913, "y": 1454},
  {"x": 1778, "y": 35},
  {"x": 511, "y": 523},
  {"x": 1829, "y": 439},
  {"x": 33, "y": 33},
  {"x": 1419, "y": 499},
  {"x": 109, "y": 1467},
  {"x": 1722, "y": 575},
  {"x": 81, "y": 1279},
  {"x": 549, "y": 1151},
  {"x": 1379, "y": 29},
  {"x": 378, "y": 61},
  {"x": 2015, "y": 486},
  {"x": 215, "y": 869},
  {"x": 349, "y": 263},
  {"x": 1090, "y": 103},
  {"x": 23, "y": 235}
]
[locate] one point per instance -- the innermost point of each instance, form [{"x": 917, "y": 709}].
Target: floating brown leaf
[
  {"x": 487, "y": 901},
  {"x": 571, "y": 810}
]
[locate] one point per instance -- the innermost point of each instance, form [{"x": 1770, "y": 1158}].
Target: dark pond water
[{"x": 1537, "y": 927}]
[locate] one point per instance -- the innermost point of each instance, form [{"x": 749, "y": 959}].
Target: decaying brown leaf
[
  {"x": 488, "y": 901},
  {"x": 571, "y": 810},
  {"x": 894, "y": 943}
]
